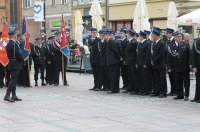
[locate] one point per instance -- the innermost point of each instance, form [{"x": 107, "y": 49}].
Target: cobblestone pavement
[{"x": 76, "y": 109}]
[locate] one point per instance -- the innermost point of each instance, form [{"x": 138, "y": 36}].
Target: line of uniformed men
[{"x": 144, "y": 63}]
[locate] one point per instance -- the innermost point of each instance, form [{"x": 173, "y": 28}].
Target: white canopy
[
  {"x": 192, "y": 18},
  {"x": 172, "y": 16},
  {"x": 141, "y": 17},
  {"x": 96, "y": 12}
]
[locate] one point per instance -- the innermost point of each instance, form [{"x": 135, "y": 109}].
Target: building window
[
  {"x": 27, "y": 3},
  {"x": 53, "y": 2},
  {"x": 64, "y": 2},
  {"x": 81, "y": 1},
  {"x": 14, "y": 13}
]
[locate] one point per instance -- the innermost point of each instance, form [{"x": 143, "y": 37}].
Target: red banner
[
  {"x": 3, "y": 42},
  {"x": 3, "y": 57}
]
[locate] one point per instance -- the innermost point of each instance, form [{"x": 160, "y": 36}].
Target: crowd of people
[
  {"x": 45, "y": 56},
  {"x": 143, "y": 62}
]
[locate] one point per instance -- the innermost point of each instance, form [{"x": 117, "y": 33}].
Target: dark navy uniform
[
  {"x": 130, "y": 61},
  {"x": 95, "y": 60},
  {"x": 124, "y": 68},
  {"x": 39, "y": 62},
  {"x": 143, "y": 58},
  {"x": 58, "y": 67},
  {"x": 14, "y": 65},
  {"x": 113, "y": 62},
  {"x": 195, "y": 61},
  {"x": 179, "y": 63},
  {"x": 158, "y": 60},
  {"x": 105, "y": 80},
  {"x": 50, "y": 64}
]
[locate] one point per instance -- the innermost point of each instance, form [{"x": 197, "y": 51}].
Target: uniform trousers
[
  {"x": 160, "y": 81},
  {"x": 182, "y": 80},
  {"x": 124, "y": 74},
  {"x": 50, "y": 73},
  {"x": 104, "y": 75},
  {"x": 13, "y": 80},
  {"x": 197, "y": 92},
  {"x": 58, "y": 69},
  {"x": 144, "y": 79},
  {"x": 133, "y": 78},
  {"x": 114, "y": 72},
  {"x": 39, "y": 67},
  {"x": 96, "y": 74},
  {"x": 172, "y": 82}
]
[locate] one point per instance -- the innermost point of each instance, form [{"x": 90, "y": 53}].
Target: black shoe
[
  {"x": 15, "y": 98},
  {"x": 144, "y": 94},
  {"x": 198, "y": 101},
  {"x": 126, "y": 91},
  {"x": 50, "y": 83},
  {"x": 92, "y": 89},
  {"x": 162, "y": 96},
  {"x": 66, "y": 84},
  {"x": 97, "y": 89},
  {"x": 111, "y": 92},
  {"x": 186, "y": 98},
  {"x": 178, "y": 97},
  {"x": 1, "y": 86},
  {"x": 140, "y": 93},
  {"x": 193, "y": 100},
  {"x": 171, "y": 94},
  {"x": 154, "y": 95},
  {"x": 9, "y": 99},
  {"x": 134, "y": 93},
  {"x": 43, "y": 84},
  {"x": 56, "y": 84}
]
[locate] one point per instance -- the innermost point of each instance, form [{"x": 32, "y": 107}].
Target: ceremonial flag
[
  {"x": 25, "y": 45},
  {"x": 3, "y": 42},
  {"x": 64, "y": 47}
]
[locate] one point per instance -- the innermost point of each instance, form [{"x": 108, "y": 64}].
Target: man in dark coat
[
  {"x": 58, "y": 58},
  {"x": 130, "y": 62},
  {"x": 158, "y": 61},
  {"x": 94, "y": 48},
  {"x": 170, "y": 41},
  {"x": 104, "y": 75},
  {"x": 39, "y": 60},
  {"x": 113, "y": 62},
  {"x": 179, "y": 63},
  {"x": 14, "y": 65},
  {"x": 50, "y": 61},
  {"x": 143, "y": 64},
  {"x": 195, "y": 61},
  {"x": 124, "y": 69}
]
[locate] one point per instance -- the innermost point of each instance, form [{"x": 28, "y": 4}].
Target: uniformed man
[
  {"x": 14, "y": 65},
  {"x": 94, "y": 48},
  {"x": 180, "y": 65},
  {"x": 195, "y": 61},
  {"x": 143, "y": 64},
  {"x": 113, "y": 62},
  {"x": 170, "y": 41},
  {"x": 124, "y": 69},
  {"x": 152, "y": 80},
  {"x": 104, "y": 75},
  {"x": 158, "y": 62},
  {"x": 58, "y": 60},
  {"x": 130, "y": 61},
  {"x": 39, "y": 60},
  {"x": 50, "y": 62}
]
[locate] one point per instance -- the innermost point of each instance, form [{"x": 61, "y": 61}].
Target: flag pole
[
  {"x": 5, "y": 76},
  {"x": 63, "y": 69},
  {"x": 29, "y": 78}
]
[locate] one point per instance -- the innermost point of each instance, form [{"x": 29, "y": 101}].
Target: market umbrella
[
  {"x": 141, "y": 17},
  {"x": 96, "y": 12},
  {"x": 172, "y": 16},
  {"x": 78, "y": 28},
  {"x": 192, "y": 18}
]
